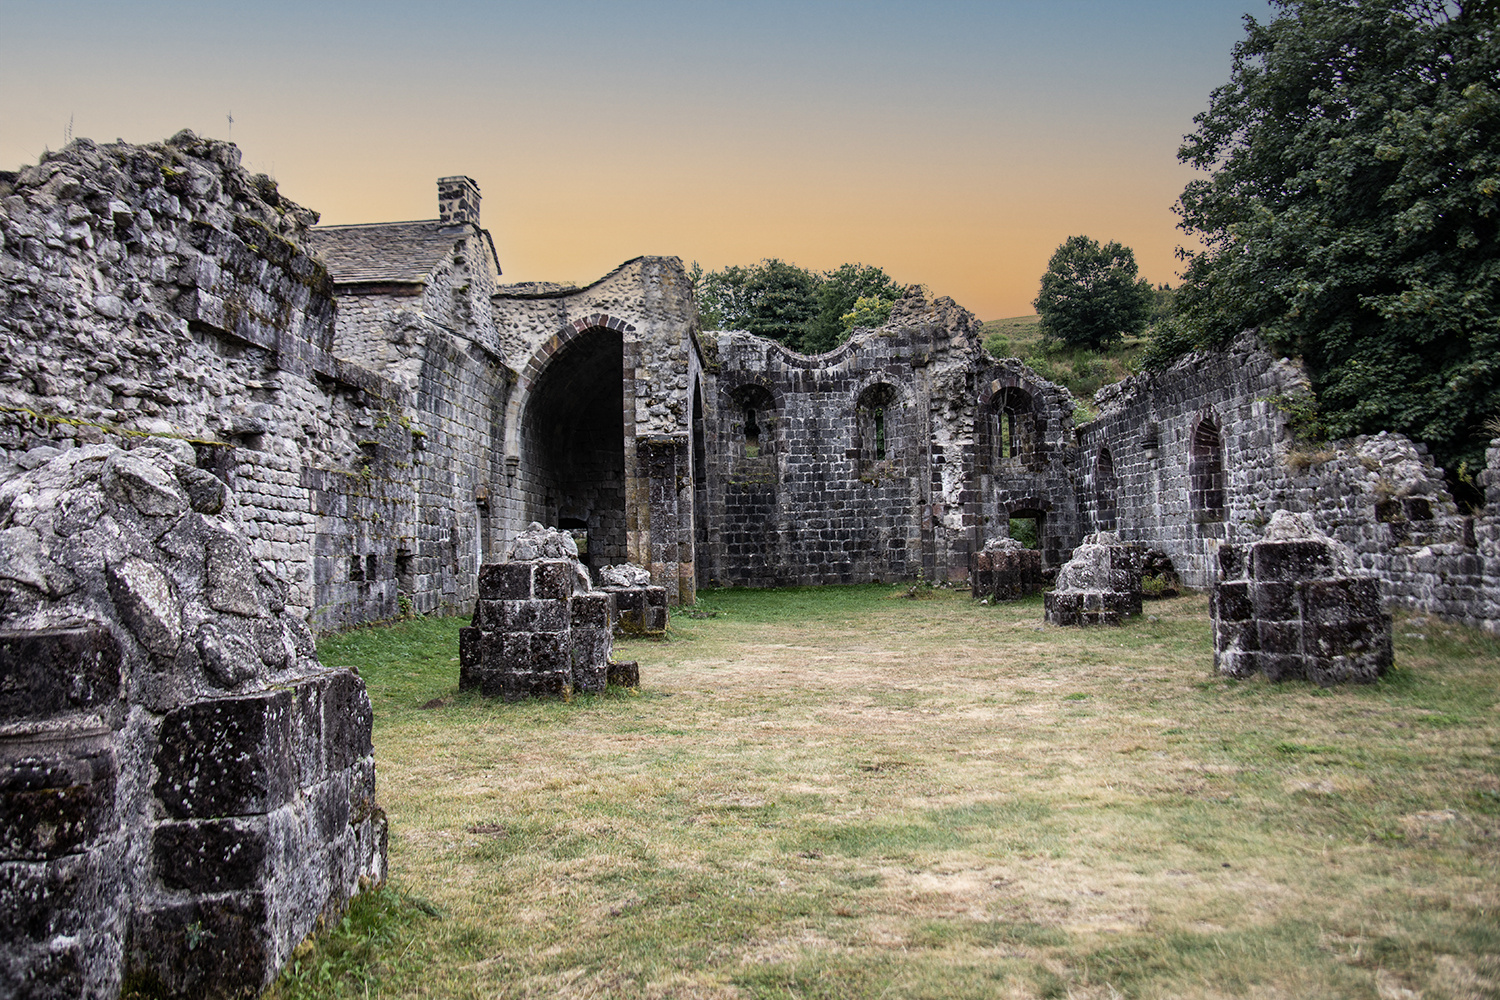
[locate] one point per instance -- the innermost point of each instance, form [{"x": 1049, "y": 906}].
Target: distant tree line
[{"x": 808, "y": 311}]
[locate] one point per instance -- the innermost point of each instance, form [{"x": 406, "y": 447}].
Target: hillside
[{"x": 1082, "y": 371}]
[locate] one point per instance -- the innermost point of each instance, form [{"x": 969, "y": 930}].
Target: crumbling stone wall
[
  {"x": 161, "y": 290},
  {"x": 862, "y": 465},
  {"x": 645, "y": 310},
  {"x": 1379, "y": 495},
  {"x": 1292, "y": 605},
  {"x": 1100, "y": 585},
  {"x": 184, "y": 790},
  {"x": 387, "y": 434}
]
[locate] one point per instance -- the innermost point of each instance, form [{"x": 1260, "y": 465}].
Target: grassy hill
[{"x": 1081, "y": 370}]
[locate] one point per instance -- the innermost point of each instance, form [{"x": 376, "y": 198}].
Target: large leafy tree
[
  {"x": 1092, "y": 295},
  {"x": 1351, "y": 212},
  {"x": 838, "y": 294},
  {"x": 806, "y": 310}
]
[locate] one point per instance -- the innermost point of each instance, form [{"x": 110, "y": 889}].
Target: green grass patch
[{"x": 840, "y": 792}]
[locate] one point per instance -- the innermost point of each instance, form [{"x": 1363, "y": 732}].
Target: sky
[{"x": 955, "y": 143}]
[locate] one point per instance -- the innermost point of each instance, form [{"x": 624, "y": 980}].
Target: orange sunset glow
[{"x": 954, "y": 144}]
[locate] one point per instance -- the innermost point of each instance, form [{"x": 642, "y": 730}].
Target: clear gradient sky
[{"x": 954, "y": 143}]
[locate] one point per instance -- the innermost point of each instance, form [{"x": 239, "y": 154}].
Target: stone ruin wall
[
  {"x": 1023, "y": 465},
  {"x": 184, "y": 790},
  {"x": 377, "y": 447},
  {"x": 160, "y": 290},
  {"x": 1380, "y": 495},
  {"x": 805, "y": 497},
  {"x": 647, "y": 305}
]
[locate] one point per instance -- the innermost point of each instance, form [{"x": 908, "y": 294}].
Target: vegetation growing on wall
[
  {"x": 1081, "y": 370},
  {"x": 1351, "y": 213}
]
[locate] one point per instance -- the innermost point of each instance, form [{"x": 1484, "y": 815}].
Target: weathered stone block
[
  {"x": 1289, "y": 560},
  {"x": 226, "y": 757},
  {"x": 210, "y": 856},
  {"x": 470, "y": 649},
  {"x": 219, "y": 946},
  {"x": 508, "y": 581},
  {"x": 535, "y": 615},
  {"x": 589, "y": 611},
  {"x": 1231, "y": 602},
  {"x": 1280, "y": 636},
  {"x": 488, "y": 614},
  {"x": 1324, "y": 625},
  {"x": 626, "y": 674},
  {"x": 56, "y": 801},
  {"x": 549, "y": 653},
  {"x": 51, "y": 671},
  {"x": 554, "y": 579},
  {"x": 1231, "y": 560},
  {"x": 348, "y": 719},
  {"x": 1278, "y": 601},
  {"x": 60, "y": 926}
]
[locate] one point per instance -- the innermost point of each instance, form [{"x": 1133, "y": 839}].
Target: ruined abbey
[{"x": 223, "y": 428}]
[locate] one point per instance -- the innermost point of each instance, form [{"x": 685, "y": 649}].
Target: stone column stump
[
  {"x": 1006, "y": 570},
  {"x": 1292, "y": 606},
  {"x": 639, "y": 607},
  {"x": 1100, "y": 585},
  {"x": 540, "y": 630}
]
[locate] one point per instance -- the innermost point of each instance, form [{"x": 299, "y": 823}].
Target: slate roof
[{"x": 384, "y": 251}]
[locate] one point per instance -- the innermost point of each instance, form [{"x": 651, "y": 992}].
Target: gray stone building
[{"x": 390, "y": 413}]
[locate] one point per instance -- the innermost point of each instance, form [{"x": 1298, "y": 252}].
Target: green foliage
[
  {"x": 1080, "y": 370},
  {"x": 1092, "y": 295},
  {"x": 1023, "y": 530},
  {"x": 998, "y": 345},
  {"x": 1351, "y": 212},
  {"x": 807, "y": 311},
  {"x": 868, "y": 312},
  {"x": 344, "y": 958}
]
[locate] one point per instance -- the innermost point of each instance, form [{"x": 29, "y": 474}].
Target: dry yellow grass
[{"x": 843, "y": 794}]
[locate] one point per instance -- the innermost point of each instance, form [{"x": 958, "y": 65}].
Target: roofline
[
  {"x": 562, "y": 293},
  {"x": 371, "y": 225}
]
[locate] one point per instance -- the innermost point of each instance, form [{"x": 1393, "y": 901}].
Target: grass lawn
[{"x": 839, "y": 792}]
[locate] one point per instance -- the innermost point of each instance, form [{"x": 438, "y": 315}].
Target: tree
[
  {"x": 807, "y": 311},
  {"x": 1091, "y": 295},
  {"x": 1351, "y": 212},
  {"x": 838, "y": 294}
]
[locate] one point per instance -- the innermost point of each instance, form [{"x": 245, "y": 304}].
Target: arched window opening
[
  {"x": 874, "y": 429},
  {"x": 751, "y": 440},
  {"x": 752, "y": 434},
  {"x": 1010, "y": 433},
  {"x": 1206, "y": 471},
  {"x": 1105, "y": 515}
]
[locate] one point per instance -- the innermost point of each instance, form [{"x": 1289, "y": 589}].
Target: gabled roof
[{"x": 401, "y": 252}]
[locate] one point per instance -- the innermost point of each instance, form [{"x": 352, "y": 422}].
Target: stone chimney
[{"x": 458, "y": 201}]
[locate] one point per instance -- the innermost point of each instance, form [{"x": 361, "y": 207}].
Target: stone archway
[{"x": 572, "y": 445}]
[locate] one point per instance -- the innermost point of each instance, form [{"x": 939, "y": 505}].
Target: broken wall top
[{"x": 150, "y": 548}]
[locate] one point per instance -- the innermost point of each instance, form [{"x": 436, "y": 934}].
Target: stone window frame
[
  {"x": 1106, "y": 491},
  {"x": 877, "y": 428},
  {"x": 1012, "y": 430},
  {"x": 767, "y": 405},
  {"x": 1207, "y": 481}
]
